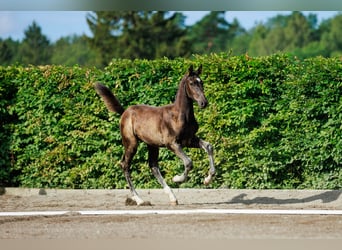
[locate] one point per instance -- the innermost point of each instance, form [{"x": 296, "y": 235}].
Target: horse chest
[{"x": 187, "y": 131}]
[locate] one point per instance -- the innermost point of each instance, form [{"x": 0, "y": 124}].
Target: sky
[{"x": 57, "y": 24}]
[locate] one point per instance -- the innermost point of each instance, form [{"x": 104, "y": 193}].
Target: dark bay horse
[{"x": 172, "y": 126}]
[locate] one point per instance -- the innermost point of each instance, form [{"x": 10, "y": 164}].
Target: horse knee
[
  {"x": 210, "y": 148},
  {"x": 207, "y": 147}
]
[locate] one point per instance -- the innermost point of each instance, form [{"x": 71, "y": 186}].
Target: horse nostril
[{"x": 203, "y": 104}]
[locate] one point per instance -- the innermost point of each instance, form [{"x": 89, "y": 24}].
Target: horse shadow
[{"x": 325, "y": 197}]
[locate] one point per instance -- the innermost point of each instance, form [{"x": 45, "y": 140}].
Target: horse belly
[
  {"x": 147, "y": 124},
  {"x": 150, "y": 134}
]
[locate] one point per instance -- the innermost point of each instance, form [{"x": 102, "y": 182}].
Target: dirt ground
[{"x": 73, "y": 225}]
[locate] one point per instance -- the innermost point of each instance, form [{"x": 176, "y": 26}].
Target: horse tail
[{"x": 111, "y": 102}]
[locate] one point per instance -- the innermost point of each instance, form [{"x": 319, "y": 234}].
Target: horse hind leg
[
  {"x": 130, "y": 151},
  {"x": 153, "y": 153}
]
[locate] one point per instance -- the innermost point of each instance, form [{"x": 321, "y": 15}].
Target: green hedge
[{"x": 274, "y": 122}]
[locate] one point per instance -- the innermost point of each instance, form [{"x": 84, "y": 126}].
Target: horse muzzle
[{"x": 203, "y": 103}]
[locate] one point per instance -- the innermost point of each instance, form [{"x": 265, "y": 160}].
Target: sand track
[{"x": 72, "y": 225}]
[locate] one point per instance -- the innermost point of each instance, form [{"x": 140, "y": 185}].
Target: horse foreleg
[
  {"x": 177, "y": 149},
  {"x": 153, "y": 163},
  {"x": 209, "y": 149}
]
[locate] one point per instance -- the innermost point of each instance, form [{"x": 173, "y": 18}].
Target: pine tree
[
  {"x": 331, "y": 36},
  {"x": 105, "y": 26},
  {"x": 138, "y": 34},
  {"x": 73, "y": 50},
  {"x": 6, "y": 52},
  {"x": 283, "y": 33},
  {"x": 35, "y": 48},
  {"x": 211, "y": 33}
]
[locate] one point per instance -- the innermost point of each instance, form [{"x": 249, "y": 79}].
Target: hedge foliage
[{"x": 274, "y": 122}]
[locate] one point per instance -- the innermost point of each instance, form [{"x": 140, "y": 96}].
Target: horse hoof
[
  {"x": 178, "y": 179},
  {"x": 207, "y": 181},
  {"x": 132, "y": 202},
  {"x": 174, "y": 203},
  {"x": 145, "y": 203}
]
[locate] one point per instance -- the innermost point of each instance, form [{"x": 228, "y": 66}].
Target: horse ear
[
  {"x": 199, "y": 70},
  {"x": 191, "y": 70}
]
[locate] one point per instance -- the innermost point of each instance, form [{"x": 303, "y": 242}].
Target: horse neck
[{"x": 183, "y": 103}]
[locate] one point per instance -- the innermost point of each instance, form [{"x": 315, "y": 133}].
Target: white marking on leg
[
  {"x": 179, "y": 178},
  {"x": 209, "y": 149},
  {"x": 177, "y": 149},
  {"x": 137, "y": 199},
  {"x": 167, "y": 189},
  {"x": 172, "y": 197}
]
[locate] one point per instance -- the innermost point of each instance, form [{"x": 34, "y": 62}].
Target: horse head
[{"x": 194, "y": 87}]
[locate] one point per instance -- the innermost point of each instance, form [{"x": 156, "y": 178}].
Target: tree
[
  {"x": 35, "y": 48},
  {"x": 331, "y": 38},
  {"x": 142, "y": 34},
  {"x": 73, "y": 50},
  {"x": 6, "y": 51},
  {"x": 257, "y": 44},
  {"x": 240, "y": 44},
  {"x": 9, "y": 51},
  {"x": 239, "y": 38},
  {"x": 153, "y": 34},
  {"x": 299, "y": 30},
  {"x": 286, "y": 33},
  {"x": 103, "y": 24},
  {"x": 211, "y": 33}
]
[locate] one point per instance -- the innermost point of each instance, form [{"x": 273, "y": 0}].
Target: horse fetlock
[
  {"x": 188, "y": 164},
  {"x": 209, "y": 178},
  {"x": 210, "y": 149},
  {"x": 212, "y": 171}
]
